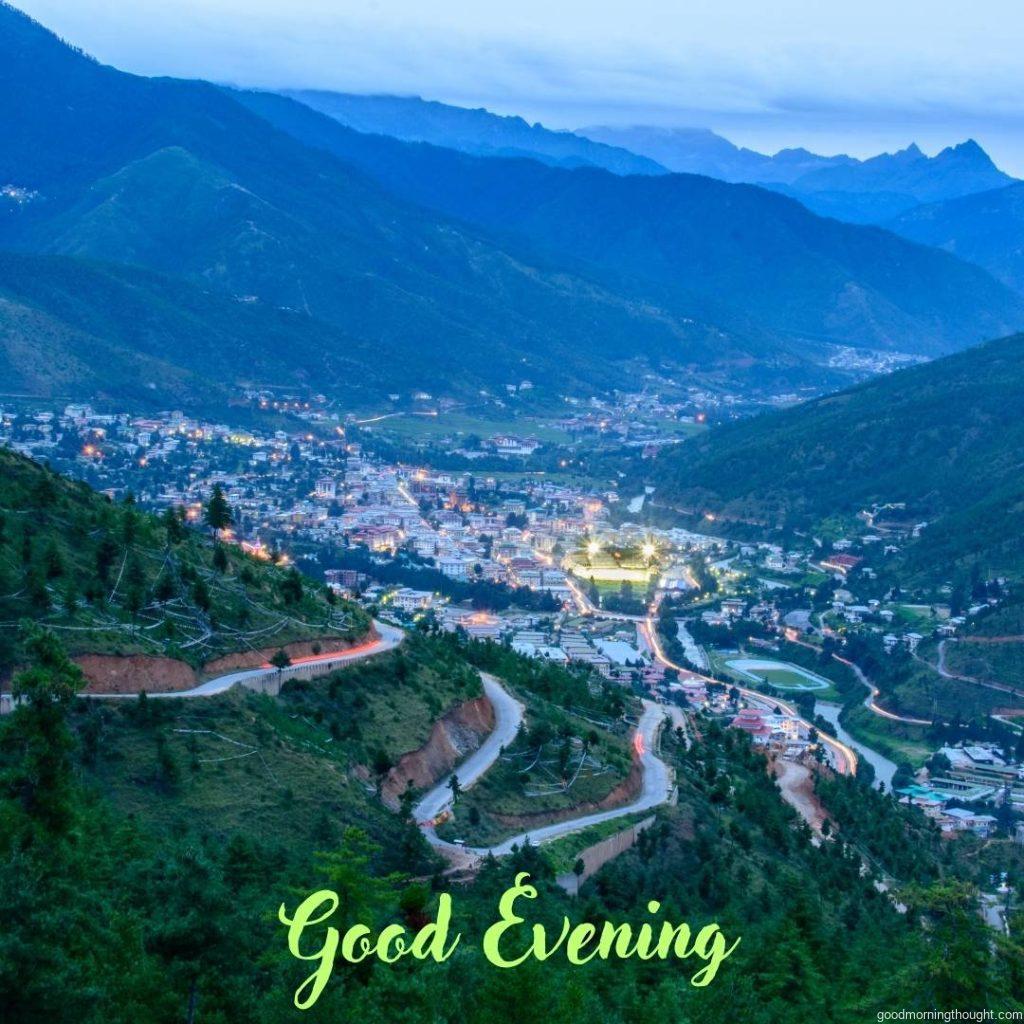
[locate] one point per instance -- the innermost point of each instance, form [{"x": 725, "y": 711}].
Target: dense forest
[
  {"x": 894, "y": 439},
  {"x": 144, "y": 917}
]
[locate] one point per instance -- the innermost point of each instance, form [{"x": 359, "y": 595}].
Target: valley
[{"x": 408, "y": 507}]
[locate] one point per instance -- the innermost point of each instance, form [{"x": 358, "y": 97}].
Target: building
[
  {"x": 326, "y": 488},
  {"x": 409, "y": 600},
  {"x": 956, "y": 819}
]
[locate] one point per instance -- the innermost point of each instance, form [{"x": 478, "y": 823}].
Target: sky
[{"x": 833, "y": 75}]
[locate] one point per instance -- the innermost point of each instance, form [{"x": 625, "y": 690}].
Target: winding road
[
  {"x": 656, "y": 789},
  {"x": 508, "y": 714},
  {"x": 843, "y": 757},
  {"x": 871, "y": 700},
  {"x": 267, "y": 679}
]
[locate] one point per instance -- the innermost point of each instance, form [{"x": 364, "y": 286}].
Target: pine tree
[{"x": 218, "y": 514}]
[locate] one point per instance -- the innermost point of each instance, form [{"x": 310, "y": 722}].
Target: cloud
[{"x": 923, "y": 66}]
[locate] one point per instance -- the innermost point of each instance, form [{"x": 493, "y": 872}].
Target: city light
[
  {"x": 593, "y": 548},
  {"x": 648, "y": 550}
]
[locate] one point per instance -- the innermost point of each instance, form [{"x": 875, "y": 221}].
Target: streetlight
[{"x": 593, "y": 548}]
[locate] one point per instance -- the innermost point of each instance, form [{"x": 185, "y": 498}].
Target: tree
[
  {"x": 218, "y": 514},
  {"x": 381, "y": 764},
  {"x": 955, "y": 970},
  {"x": 191, "y": 935},
  {"x": 39, "y": 777},
  {"x": 165, "y": 588},
  {"x": 201, "y": 595},
  {"x": 220, "y": 558},
  {"x": 280, "y": 660},
  {"x": 291, "y": 587},
  {"x": 173, "y": 526},
  {"x": 455, "y": 787},
  {"x": 53, "y": 561}
]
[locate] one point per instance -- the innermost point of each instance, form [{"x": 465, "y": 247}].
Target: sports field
[{"x": 780, "y": 674}]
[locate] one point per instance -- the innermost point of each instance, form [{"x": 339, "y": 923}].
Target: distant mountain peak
[
  {"x": 477, "y": 131},
  {"x": 970, "y": 153}
]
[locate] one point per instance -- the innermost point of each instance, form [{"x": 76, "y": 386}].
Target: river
[{"x": 884, "y": 768}]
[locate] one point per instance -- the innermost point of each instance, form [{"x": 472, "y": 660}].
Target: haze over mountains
[
  {"x": 246, "y": 238},
  {"x": 899, "y": 191},
  {"x": 870, "y": 191}
]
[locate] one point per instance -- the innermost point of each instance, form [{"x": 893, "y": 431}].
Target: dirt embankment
[
  {"x": 457, "y": 734},
  {"x": 133, "y": 673},
  {"x": 796, "y": 784},
  {"x": 241, "y": 660},
  {"x": 626, "y": 791}
]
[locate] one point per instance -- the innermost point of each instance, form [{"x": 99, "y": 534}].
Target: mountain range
[
  {"x": 472, "y": 131},
  {"x": 986, "y": 228},
  {"x": 775, "y": 276},
  {"x": 868, "y": 191},
  {"x": 944, "y": 438},
  {"x": 246, "y": 238}
]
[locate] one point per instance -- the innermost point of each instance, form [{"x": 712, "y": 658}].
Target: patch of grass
[
  {"x": 558, "y": 762},
  {"x": 563, "y": 853},
  {"x": 895, "y": 740},
  {"x": 294, "y": 770}
]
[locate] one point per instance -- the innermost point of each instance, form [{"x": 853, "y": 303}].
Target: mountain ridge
[
  {"x": 868, "y": 191},
  {"x": 722, "y": 253},
  {"x": 940, "y": 437},
  {"x": 986, "y": 228},
  {"x": 448, "y": 271},
  {"x": 477, "y": 130}
]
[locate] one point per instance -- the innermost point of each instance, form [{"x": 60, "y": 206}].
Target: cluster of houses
[
  {"x": 781, "y": 732},
  {"x": 977, "y": 775}
]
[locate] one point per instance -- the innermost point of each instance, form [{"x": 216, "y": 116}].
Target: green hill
[
  {"x": 946, "y": 438},
  {"x": 434, "y": 269},
  {"x": 182, "y": 179},
  {"x": 71, "y": 328},
  {"x": 777, "y": 280},
  {"x": 986, "y": 228},
  {"x": 110, "y": 579}
]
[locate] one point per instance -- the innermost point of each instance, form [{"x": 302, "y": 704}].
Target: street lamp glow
[
  {"x": 648, "y": 550},
  {"x": 593, "y": 548}
]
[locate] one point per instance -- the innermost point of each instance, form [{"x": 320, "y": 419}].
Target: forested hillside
[
  {"x": 780, "y": 280},
  {"x": 368, "y": 257},
  {"x": 987, "y": 229},
  {"x": 214, "y": 846},
  {"x": 110, "y": 579},
  {"x": 945, "y": 438}
]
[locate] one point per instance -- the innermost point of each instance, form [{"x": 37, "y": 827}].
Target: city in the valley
[{"x": 563, "y": 563}]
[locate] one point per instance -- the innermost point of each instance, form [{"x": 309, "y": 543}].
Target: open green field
[
  {"x": 415, "y": 427},
  {"x": 779, "y": 674}
]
